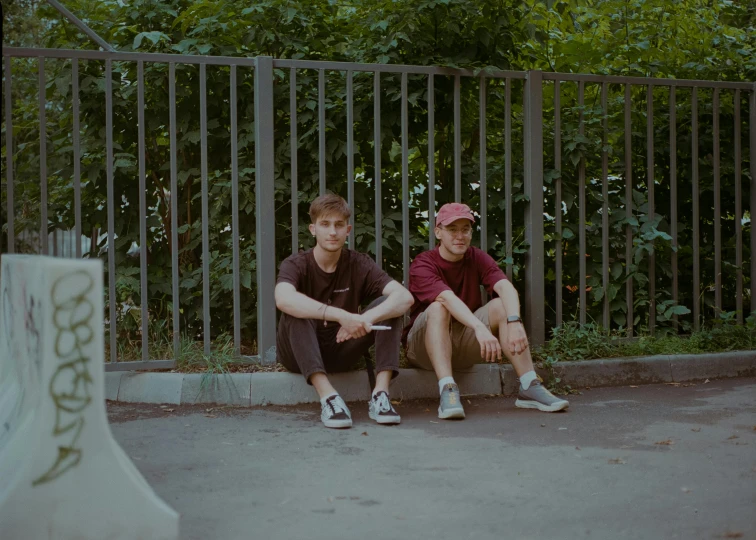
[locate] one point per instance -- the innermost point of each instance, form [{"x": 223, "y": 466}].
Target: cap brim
[{"x": 454, "y": 218}]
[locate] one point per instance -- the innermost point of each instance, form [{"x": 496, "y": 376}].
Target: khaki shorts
[{"x": 465, "y": 346}]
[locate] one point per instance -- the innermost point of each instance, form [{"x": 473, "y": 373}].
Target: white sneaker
[
  {"x": 335, "y": 413},
  {"x": 381, "y": 410}
]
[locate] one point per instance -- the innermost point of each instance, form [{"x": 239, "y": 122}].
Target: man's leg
[
  {"x": 299, "y": 352},
  {"x": 437, "y": 341},
  {"x": 532, "y": 394},
  {"x": 344, "y": 357},
  {"x": 430, "y": 346}
]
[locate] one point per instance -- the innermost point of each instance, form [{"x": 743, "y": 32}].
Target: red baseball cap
[{"x": 452, "y": 212}]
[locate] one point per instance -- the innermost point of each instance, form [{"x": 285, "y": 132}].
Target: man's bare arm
[
  {"x": 509, "y": 296},
  {"x": 301, "y": 306},
  {"x": 517, "y": 339},
  {"x": 398, "y": 301}
]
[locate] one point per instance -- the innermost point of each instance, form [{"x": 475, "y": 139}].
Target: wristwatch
[{"x": 514, "y": 318}]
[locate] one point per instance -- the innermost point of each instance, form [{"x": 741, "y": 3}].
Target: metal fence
[{"x": 537, "y": 152}]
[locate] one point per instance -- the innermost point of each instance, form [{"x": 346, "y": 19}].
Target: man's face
[
  {"x": 330, "y": 231},
  {"x": 456, "y": 236}
]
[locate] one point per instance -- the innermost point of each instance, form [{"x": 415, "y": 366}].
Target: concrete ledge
[
  {"x": 280, "y": 389},
  {"x": 743, "y": 363},
  {"x": 112, "y": 383},
  {"x": 225, "y": 389},
  {"x": 616, "y": 371},
  {"x": 151, "y": 388},
  {"x": 510, "y": 384},
  {"x": 482, "y": 379},
  {"x": 695, "y": 367},
  {"x": 290, "y": 388}
]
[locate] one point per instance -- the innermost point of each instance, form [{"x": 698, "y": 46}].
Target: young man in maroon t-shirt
[
  {"x": 450, "y": 328},
  {"x": 320, "y": 292}
]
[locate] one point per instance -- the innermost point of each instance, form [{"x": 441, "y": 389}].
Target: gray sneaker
[
  {"x": 537, "y": 397},
  {"x": 451, "y": 404}
]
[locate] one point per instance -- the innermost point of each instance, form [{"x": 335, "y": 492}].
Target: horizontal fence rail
[{"x": 615, "y": 200}]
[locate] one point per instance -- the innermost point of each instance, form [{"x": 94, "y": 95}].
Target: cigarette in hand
[{"x": 380, "y": 327}]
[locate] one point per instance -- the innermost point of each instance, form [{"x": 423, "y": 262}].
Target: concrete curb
[{"x": 254, "y": 389}]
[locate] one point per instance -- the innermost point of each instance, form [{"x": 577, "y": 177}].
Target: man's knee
[
  {"x": 437, "y": 314},
  {"x": 496, "y": 311}
]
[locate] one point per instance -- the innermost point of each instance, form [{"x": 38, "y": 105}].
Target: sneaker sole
[
  {"x": 558, "y": 406},
  {"x": 385, "y": 420},
  {"x": 451, "y": 413},
  {"x": 337, "y": 424}
]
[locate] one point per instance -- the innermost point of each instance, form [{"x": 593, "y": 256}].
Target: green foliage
[{"x": 656, "y": 38}]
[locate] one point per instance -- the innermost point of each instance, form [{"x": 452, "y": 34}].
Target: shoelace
[
  {"x": 337, "y": 408},
  {"x": 382, "y": 402}
]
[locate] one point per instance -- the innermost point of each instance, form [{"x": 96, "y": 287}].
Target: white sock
[
  {"x": 527, "y": 379},
  {"x": 443, "y": 382},
  {"x": 323, "y": 399}
]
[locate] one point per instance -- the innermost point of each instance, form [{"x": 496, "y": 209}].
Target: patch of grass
[{"x": 572, "y": 341}]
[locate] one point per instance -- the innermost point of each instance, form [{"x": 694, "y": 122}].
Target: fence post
[
  {"x": 534, "y": 268},
  {"x": 752, "y": 157},
  {"x": 265, "y": 234}
]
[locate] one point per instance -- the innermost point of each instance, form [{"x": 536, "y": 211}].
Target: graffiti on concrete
[{"x": 70, "y": 384}]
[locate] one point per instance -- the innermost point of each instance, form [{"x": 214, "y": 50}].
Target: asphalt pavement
[{"x": 649, "y": 462}]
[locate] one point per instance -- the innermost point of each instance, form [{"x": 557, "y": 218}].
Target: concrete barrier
[{"x": 62, "y": 474}]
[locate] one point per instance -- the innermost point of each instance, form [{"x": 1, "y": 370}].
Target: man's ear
[
  {"x": 437, "y": 232},
  {"x": 349, "y": 228},
  {"x": 312, "y": 228}
]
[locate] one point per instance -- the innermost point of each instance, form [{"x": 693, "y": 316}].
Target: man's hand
[
  {"x": 517, "y": 340},
  {"x": 490, "y": 348},
  {"x": 353, "y": 326}
]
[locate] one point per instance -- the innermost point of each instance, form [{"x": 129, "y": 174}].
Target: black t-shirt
[{"x": 357, "y": 280}]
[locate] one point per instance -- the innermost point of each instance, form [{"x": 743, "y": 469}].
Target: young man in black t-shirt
[{"x": 319, "y": 292}]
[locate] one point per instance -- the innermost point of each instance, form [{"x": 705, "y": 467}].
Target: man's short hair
[{"x": 329, "y": 204}]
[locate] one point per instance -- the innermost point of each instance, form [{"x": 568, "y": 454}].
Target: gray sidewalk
[
  {"x": 251, "y": 389},
  {"x": 654, "y": 462}
]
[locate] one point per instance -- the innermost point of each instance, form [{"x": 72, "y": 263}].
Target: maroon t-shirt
[
  {"x": 357, "y": 280},
  {"x": 431, "y": 274}
]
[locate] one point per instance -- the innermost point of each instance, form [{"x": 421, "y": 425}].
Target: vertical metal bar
[
  {"x": 294, "y": 148},
  {"x": 558, "y": 197},
  {"x": 266, "y": 209},
  {"x": 110, "y": 206},
  {"x": 55, "y": 242},
  {"x": 651, "y": 210},
  {"x": 174, "y": 209},
  {"x": 405, "y": 184},
  {"x": 76, "y": 153},
  {"x": 350, "y": 152},
  {"x": 483, "y": 166},
  {"x": 696, "y": 218},
  {"x": 235, "y": 214},
  {"x": 143, "y": 290},
  {"x": 581, "y": 209},
  {"x": 533, "y": 186},
  {"x": 673, "y": 191},
  {"x": 205, "y": 213},
  {"x": 738, "y": 214},
  {"x": 377, "y": 170},
  {"x": 628, "y": 210},
  {"x": 605, "y": 205},
  {"x": 717, "y": 209},
  {"x": 431, "y": 163},
  {"x": 457, "y": 142},
  {"x": 752, "y": 134},
  {"x": 43, "y": 156},
  {"x": 508, "y": 172},
  {"x": 321, "y": 130},
  {"x": 9, "y": 156}
]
